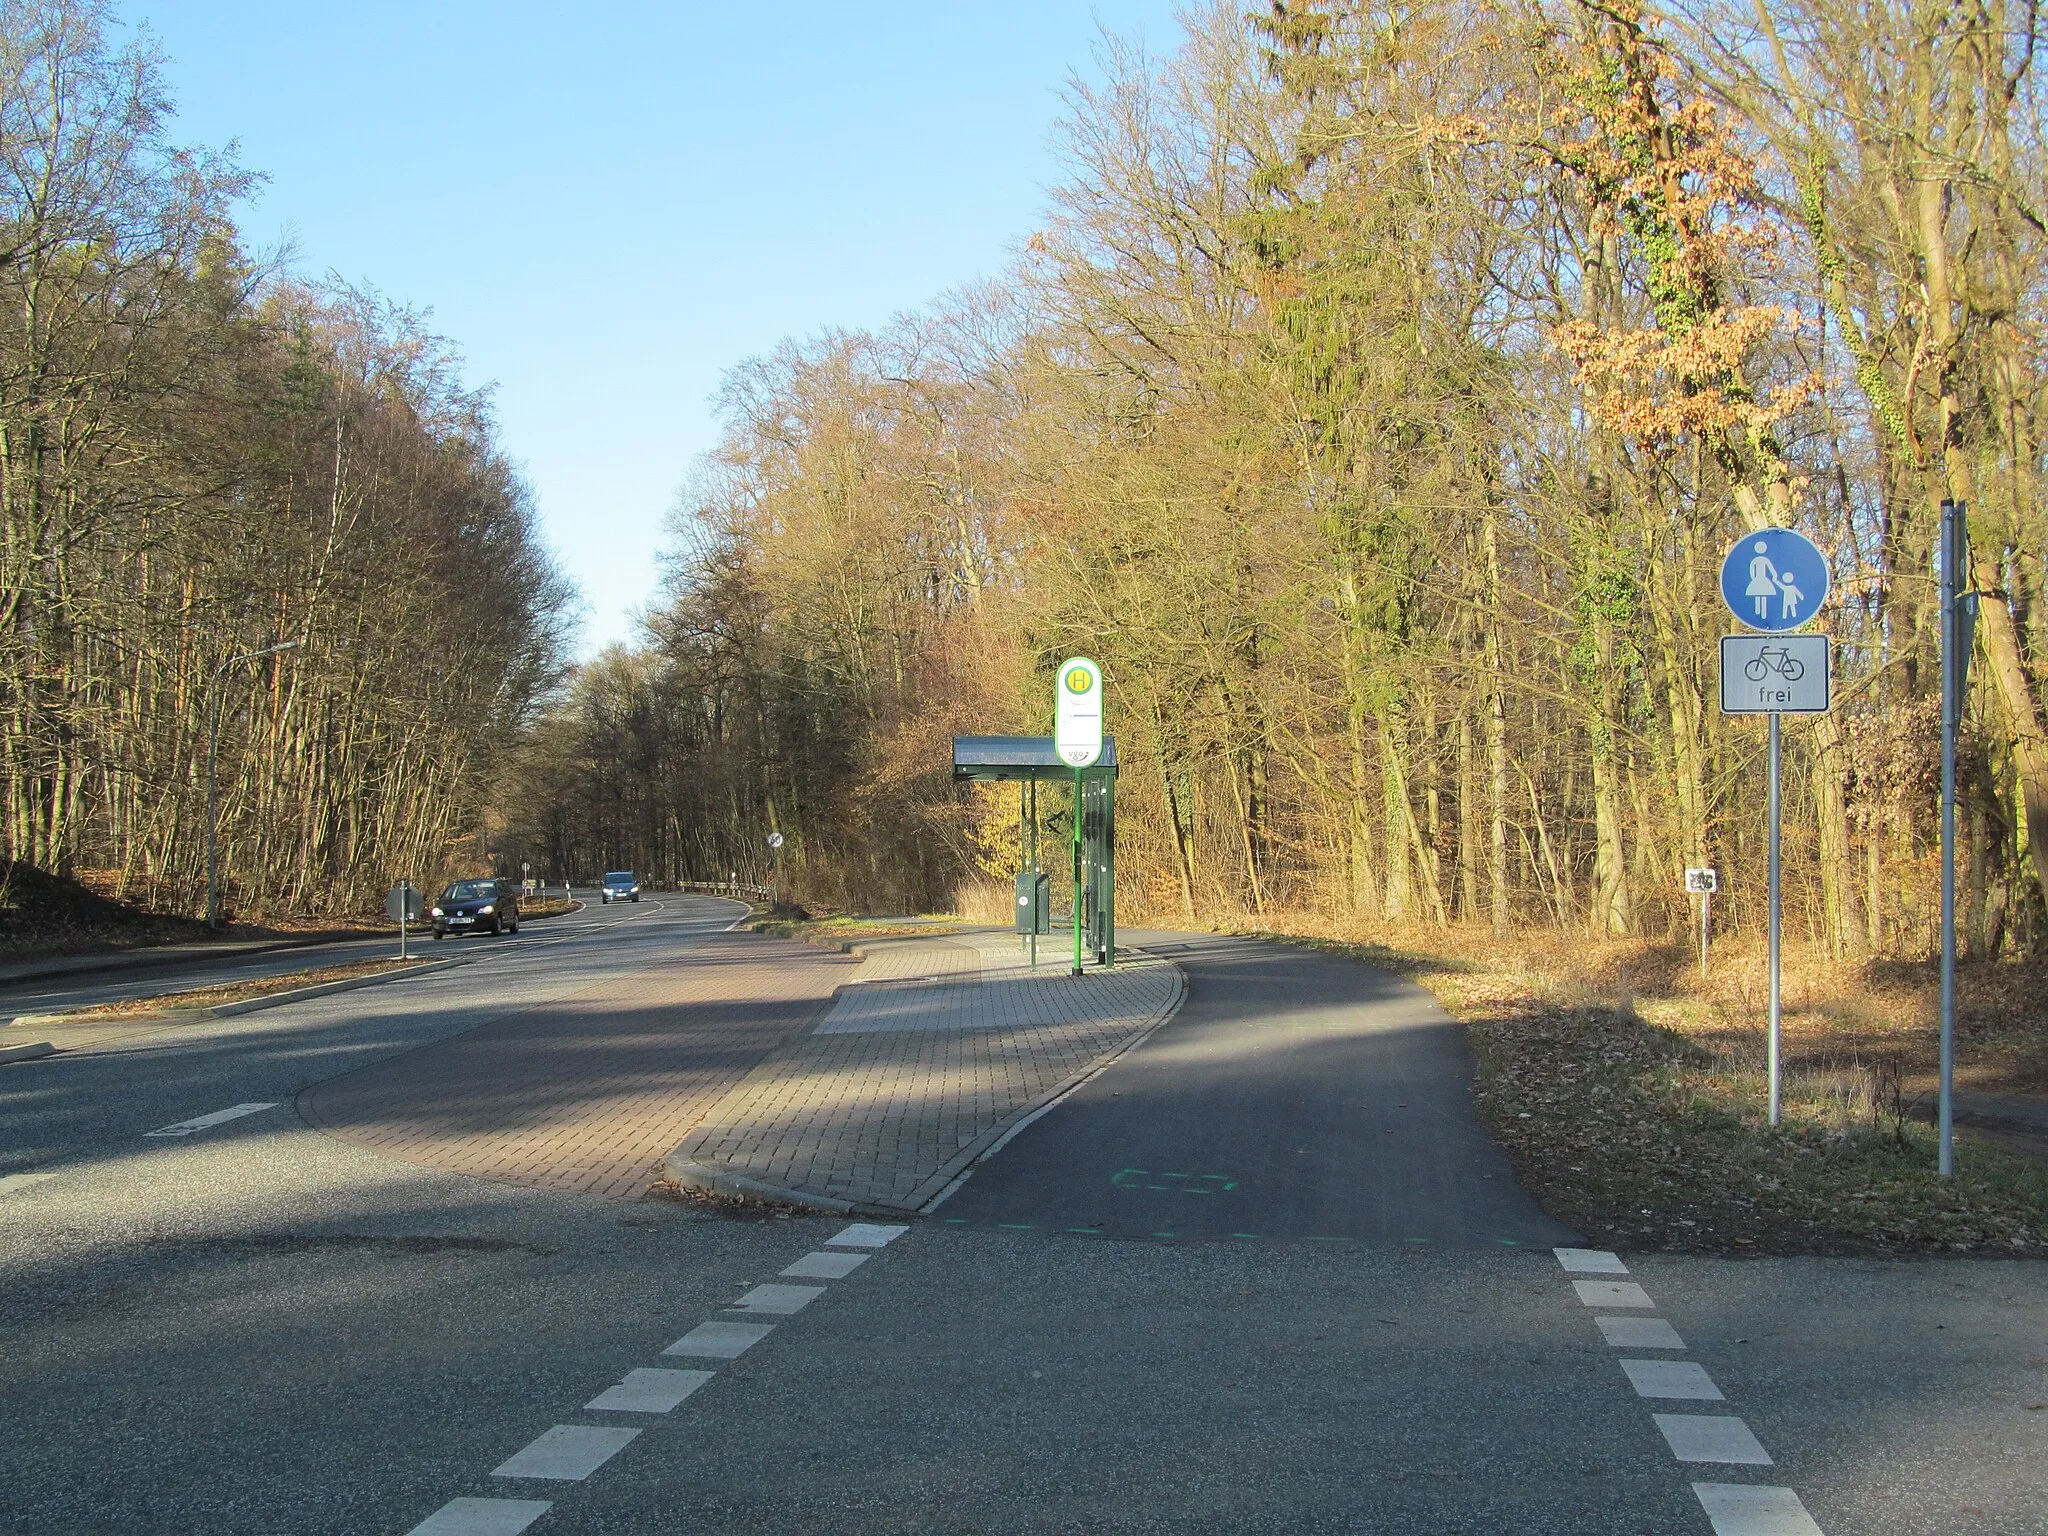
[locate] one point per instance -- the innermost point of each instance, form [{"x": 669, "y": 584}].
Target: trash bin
[{"x": 1034, "y": 903}]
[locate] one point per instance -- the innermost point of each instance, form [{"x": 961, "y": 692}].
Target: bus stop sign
[{"x": 1077, "y": 716}]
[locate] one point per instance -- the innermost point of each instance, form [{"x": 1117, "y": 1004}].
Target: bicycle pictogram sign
[{"x": 1774, "y": 674}]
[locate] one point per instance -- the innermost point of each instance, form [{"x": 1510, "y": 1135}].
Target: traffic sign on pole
[
  {"x": 1703, "y": 882},
  {"x": 404, "y": 905},
  {"x": 1077, "y": 716},
  {"x": 1789, "y": 675},
  {"x": 1077, "y": 737},
  {"x": 1774, "y": 579}
]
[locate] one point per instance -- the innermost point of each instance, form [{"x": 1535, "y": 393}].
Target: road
[
  {"x": 88, "y": 988},
  {"x": 259, "y": 1326}
]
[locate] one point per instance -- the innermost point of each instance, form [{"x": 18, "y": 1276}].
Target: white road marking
[
  {"x": 568, "y": 1453},
  {"x": 205, "y": 1122},
  {"x": 826, "y": 1266},
  {"x": 1639, "y": 1332},
  {"x": 865, "y": 1234},
  {"x": 1672, "y": 1378},
  {"x": 20, "y": 1181},
  {"x": 482, "y": 1517},
  {"x": 1711, "y": 1437},
  {"x": 778, "y": 1300},
  {"x": 1744, "y": 1509},
  {"x": 1612, "y": 1293},
  {"x": 649, "y": 1391},
  {"x": 1589, "y": 1261},
  {"x": 720, "y": 1341}
]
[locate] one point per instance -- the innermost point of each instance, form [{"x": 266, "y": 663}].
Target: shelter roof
[{"x": 1000, "y": 758}]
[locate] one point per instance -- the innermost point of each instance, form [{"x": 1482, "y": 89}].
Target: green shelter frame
[{"x": 1031, "y": 761}]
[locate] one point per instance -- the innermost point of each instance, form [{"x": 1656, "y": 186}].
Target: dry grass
[
  {"x": 237, "y": 992},
  {"x": 845, "y": 929}
]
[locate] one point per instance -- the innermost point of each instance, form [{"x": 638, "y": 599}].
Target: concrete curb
[
  {"x": 27, "y": 1052},
  {"x": 247, "y": 1005},
  {"x": 691, "y": 1174}
]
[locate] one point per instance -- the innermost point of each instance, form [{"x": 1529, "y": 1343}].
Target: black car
[{"x": 476, "y": 906}]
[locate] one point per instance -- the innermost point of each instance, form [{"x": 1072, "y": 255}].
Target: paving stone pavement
[
  {"x": 588, "y": 1093},
  {"x": 933, "y": 1048}
]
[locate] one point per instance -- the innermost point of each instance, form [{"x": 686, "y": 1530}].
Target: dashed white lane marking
[
  {"x": 720, "y": 1341},
  {"x": 19, "y": 1181},
  {"x": 482, "y": 1517},
  {"x": 1612, "y": 1293},
  {"x": 1672, "y": 1378},
  {"x": 825, "y": 1266},
  {"x": 205, "y": 1122},
  {"x": 1711, "y": 1437},
  {"x": 1590, "y": 1261},
  {"x": 865, "y": 1234},
  {"x": 778, "y": 1300},
  {"x": 1639, "y": 1332},
  {"x": 568, "y": 1453},
  {"x": 1743, "y": 1509},
  {"x": 645, "y": 1391}
]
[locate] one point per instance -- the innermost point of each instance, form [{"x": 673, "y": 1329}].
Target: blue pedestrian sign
[{"x": 1774, "y": 579}]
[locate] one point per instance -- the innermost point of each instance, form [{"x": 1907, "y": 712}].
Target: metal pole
[
  {"x": 1109, "y": 873},
  {"x": 1706, "y": 917},
  {"x": 1077, "y": 871},
  {"x": 1777, "y": 919},
  {"x": 404, "y": 912},
  {"x": 1950, "y": 711},
  {"x": 1032, "y": 866}
]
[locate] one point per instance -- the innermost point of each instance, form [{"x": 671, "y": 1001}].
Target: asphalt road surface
[
  {"x": 90, "y": 988},
  {"x": 1293, "y": 1097},
  {"x": 256, "y": 1327}
]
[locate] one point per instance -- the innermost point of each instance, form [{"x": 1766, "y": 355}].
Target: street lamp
[{"x": 212, "y": 798}]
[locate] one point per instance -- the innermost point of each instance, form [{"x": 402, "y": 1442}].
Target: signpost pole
[
  {"x": 1774, "y": 580},
  {"x": 404, "y": 913},
  {"x": 1077, "y": 871},
  {"x": 1777, "y": 916},
  {"x": 1951, "y": 712},
  {"x": 1031, "y": 864},
  {"x": 1077, "y": 738},
  {"x": 1706, "y": 916}
]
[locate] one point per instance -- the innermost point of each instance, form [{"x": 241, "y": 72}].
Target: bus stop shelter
[{"x": 1031, "y": 761}]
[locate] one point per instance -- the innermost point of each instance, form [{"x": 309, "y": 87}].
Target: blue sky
[{"x": 606, "y": 206}]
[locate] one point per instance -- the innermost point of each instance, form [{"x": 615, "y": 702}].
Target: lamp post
[{"x": 212, "y": 797}]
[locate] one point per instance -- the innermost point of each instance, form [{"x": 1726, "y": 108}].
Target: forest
[
  {"x": 1375, "y": 403},
  {"x": 202, "y": 458}
]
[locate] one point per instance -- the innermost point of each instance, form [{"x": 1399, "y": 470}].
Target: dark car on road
[
  {"x": 620, "y": 885},
  {"x": 476, "y": 906}
]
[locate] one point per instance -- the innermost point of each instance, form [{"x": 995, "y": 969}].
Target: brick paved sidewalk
[
  {"x": 587, "y": 1093},
  {"x": 933, "y": 1048}
]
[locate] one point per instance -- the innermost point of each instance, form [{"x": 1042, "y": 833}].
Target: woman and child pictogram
[{"x": 1766, "y": 581}]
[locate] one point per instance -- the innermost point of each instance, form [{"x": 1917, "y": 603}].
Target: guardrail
[{"x": 732, "y": 888}]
